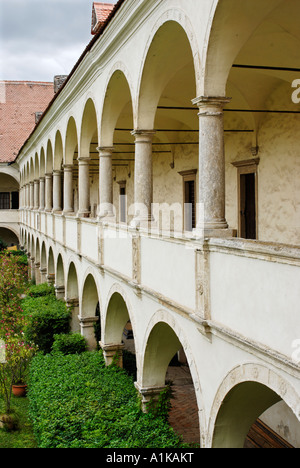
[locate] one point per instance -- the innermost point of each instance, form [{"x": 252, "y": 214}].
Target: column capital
[
  {"x": 48, "y": 175},
  {"x": 68, "y": 167},
  {"x": 105, "y": 151},
  {"x": 83, "y": 160},
  {"x": 211, "y": 106},
  {"x": 143, "y": 136},
  {"x": 57, "y": 171}
]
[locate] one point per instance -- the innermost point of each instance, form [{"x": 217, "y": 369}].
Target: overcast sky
[{"x": 42, "y": 38}]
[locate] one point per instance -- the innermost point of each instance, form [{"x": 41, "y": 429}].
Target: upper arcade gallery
[{"x": 177, "y": 103}]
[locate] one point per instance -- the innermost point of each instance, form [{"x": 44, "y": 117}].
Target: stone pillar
[
  {"x": 143, "y": 189},
  {"x": 48, "y": 192},
  {"x": 73, "y": 304},
  {"x": 88, "y": 331},
  {"x": 57, "y": 191},
  {"x": 84, "y": 187},
  {"x": 31, "y": 203},
  {"x": 113, "y": 352},
  {"x": 36, "y": 194},
  {"x": 51, "y": 279},
  {"x": 42, "y": 193},
  {"x": 43, "y": 274},
  {"x": 27, "y": 196},
  {"x": 105, "y": 182},
  {"x": 37, "y": 273},
  {"x": 211, "y": 212},
  {"x": 148, "y": 394},
  {"x": 68, "y": 188},
  {"x": 32, "y": 269},
  {"x": 59, "y": 291}
]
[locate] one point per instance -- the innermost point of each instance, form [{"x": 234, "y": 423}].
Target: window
[
  {"x": 4, "y": 201},
  {"x": 189, "y": 199}
]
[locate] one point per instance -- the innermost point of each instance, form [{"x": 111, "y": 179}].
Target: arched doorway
[
  {"x": 167, "y": 88},
  {"x": 167, "y": 361},
  {"x": 88, "y": 311},
  {"x": 244, "y": 415},
  {"x": 118, "y": 337},
  {"x": 72, "y": 297}
]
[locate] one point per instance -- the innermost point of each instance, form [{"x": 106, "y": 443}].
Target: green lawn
[{"x": 22, "y": 438}]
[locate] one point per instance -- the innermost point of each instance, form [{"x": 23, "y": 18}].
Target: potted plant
[{"x": 13, "y": 372}]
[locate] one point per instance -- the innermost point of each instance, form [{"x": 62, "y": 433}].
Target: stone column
[
  {"x": 113, "y": 352},
  {"x": 36, "y": 194},
  {"x": 73, "y": 304},
  {"x": 211, "y": 211},
  {"x": 27, "y": 196},
  {"x": 105, "y": 182},
  {"x": 143, "y": 185},
  {"x": 84, "y": 187},
  {"x": 87, "y": 330},
  {"x": 57, "y": 191},
  {"x": 42, "y": 193},
  {"x": 43, "y": 274},
  {"x": 68, "y": 188},
  {"x": 37, "y": 273},
  {"x": 48, "y": 192},
  {"x": 31, "y": 203}
]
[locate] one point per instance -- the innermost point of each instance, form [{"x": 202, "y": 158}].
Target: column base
[
  {"x": 202, "y": 233},
  {"x": 83, "y": 214}
]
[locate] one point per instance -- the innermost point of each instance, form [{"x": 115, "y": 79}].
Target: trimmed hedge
[
  {"x": 77, "y": 402},
  {"x": 69, "y": 343},
  {"x": 46, "y": 317}
]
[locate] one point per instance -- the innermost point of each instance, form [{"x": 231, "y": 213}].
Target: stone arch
[
  {"x": 9, "y": 234},
  {"x": 171, "y": 46},
  {"x": 117, "y": 319},
  {"x": 43, "y": 267},
  {"x": 164, "y": 338},
  {"x": 72, "y": 295},
  {"x": 51, "y": 267},
  {"x": 245, "y": 393},
  {"x": 118, "y": 98},
  {"x": 71, "y": 141},
  {"x": 60, "y": 278},
  {"x": 230, "y": 26},
  {"x": 88, "y": 307},
  {"x": 89, "y": 128}
]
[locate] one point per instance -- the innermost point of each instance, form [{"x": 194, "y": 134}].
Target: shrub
[
  {"x": 47, "y": 317},
  {"x": 76, "y": 402},
  {"x": 41, "y": 290},
  {"x": 69, "y": 343}
]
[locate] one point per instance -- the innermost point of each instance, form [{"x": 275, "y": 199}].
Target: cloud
[{"x": 41, "y": 39}]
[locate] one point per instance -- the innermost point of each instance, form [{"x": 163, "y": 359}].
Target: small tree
[{"x": 14, "y": 368}]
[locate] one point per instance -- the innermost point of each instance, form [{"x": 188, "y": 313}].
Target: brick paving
[{"x": 184, "y": 414}]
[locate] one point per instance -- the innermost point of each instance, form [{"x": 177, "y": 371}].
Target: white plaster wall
[{"x": 257, "y": 299}]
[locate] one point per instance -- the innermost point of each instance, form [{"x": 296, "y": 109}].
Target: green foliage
[
  {"x": 76, "y": 402},
  {"x": 47, "y": 317},
  {"x": 69, "y": 343},
  {"x": 39, "y": 290}
]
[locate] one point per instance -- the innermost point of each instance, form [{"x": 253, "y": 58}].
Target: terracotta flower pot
[{"x": 19, "y": 390}]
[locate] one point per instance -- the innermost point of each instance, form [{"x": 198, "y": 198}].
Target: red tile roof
[
  {"x": 101, "y": 12},
  {"x": 19, "y": 101}
]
